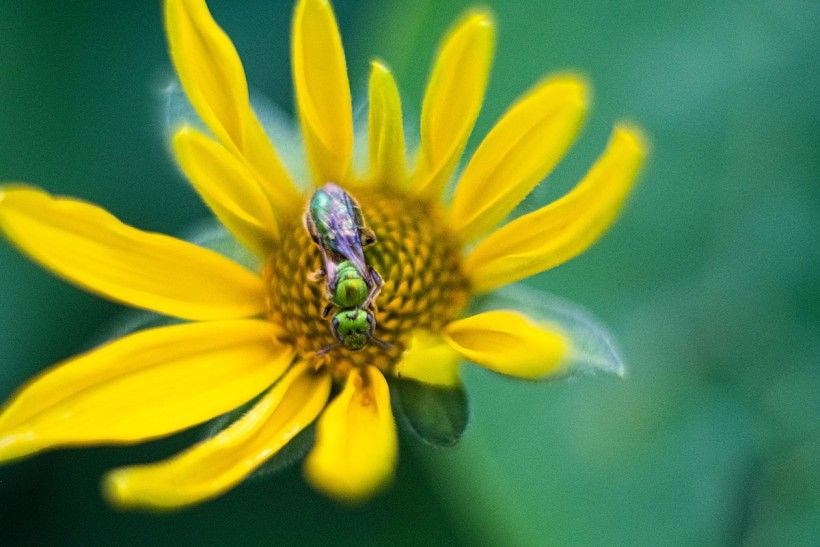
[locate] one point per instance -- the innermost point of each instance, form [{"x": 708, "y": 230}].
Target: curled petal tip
[
  {"x": 480, "y": 17},
  {"x": 480, "y": 23},
  {"x": 633, "y": 136},
  {"x": 378, "y": 66},
  {"x": 476, "y": 23},
  {"x": 578, "y": 86},
  {"x": 115, "y": 488}
]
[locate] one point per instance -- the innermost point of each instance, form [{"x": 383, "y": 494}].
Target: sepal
[{"x": 437, "y": 416}]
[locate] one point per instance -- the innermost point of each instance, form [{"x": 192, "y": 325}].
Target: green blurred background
[{"x": 709, "y": 280}]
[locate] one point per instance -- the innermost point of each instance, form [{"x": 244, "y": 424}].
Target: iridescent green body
[{"x": 351, "y": 289}]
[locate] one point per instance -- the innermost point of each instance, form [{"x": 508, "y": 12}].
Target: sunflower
[{"x": 252, "y": 337}]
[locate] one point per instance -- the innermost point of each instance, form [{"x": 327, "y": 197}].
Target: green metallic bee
[{"x": 335, "y": 223}]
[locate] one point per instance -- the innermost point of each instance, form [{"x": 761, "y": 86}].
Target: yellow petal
[
  {"x": 565, "y": 228},
  {"x": 508, "y": 343},
  {"x": 322, "y": 91},
  {"x": 89, "y": 247},
  {"x": 356, "y": 443},
  {"x": 430, "y": 360},
  {"x": 223, "y": 461},
  {"x": 520, "y": 151},
  {"x": 213, "y": 78},
  {"x": 143, "y": 386},
  {"x": 229, "y": 188},
  {"x": 385, "y": 129},
  {"x": 453, "y": 99}
]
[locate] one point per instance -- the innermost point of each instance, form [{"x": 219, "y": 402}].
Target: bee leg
[
  {"x": 311, "y": 228},
  {"x": 326, "y": 349},
  {"x": 368, "y": 236},
  {"x": 377, "y": 279},
  {"x": 378, "y": 283},
  {"x": 317, "y": 276}
]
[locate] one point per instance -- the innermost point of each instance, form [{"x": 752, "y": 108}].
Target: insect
[{"x": 335, "y": 223}]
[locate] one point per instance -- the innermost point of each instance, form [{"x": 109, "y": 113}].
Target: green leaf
[{"x": 438, "y": 416}]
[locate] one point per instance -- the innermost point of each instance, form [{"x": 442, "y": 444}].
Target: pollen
[{"x": 415, "y": 254}]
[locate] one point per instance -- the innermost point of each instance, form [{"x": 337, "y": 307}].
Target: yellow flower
[{"x": 252, "y": 333}]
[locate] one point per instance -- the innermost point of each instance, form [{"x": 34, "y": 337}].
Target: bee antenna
[
  {"x": 381, "y": 343},
  {"x": 326, "y": 349}
]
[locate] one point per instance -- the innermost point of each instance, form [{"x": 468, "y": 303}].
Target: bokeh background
[{"x": 709, "y": 280}]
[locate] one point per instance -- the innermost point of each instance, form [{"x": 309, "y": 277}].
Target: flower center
[{"x": 415, "y": 254}]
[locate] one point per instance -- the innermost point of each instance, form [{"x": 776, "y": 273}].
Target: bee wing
[
  {"x": 350, "y": 247},
  {"x": 330, "y": 272}
]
